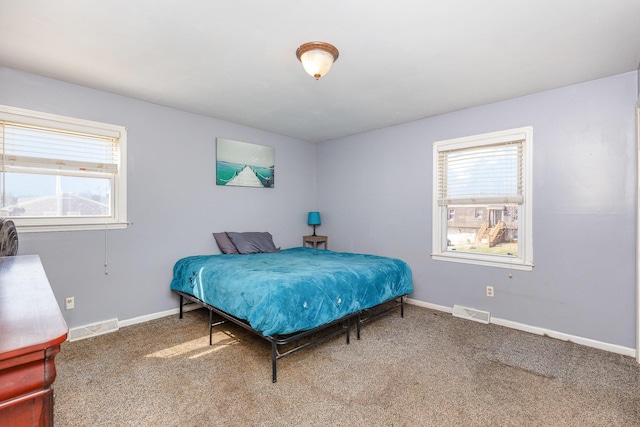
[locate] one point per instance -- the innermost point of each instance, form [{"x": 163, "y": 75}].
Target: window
[
  {"x": 486, "y": 180},
  {"x": 61, "y": 173}
]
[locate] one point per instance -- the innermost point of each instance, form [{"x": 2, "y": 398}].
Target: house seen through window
[
  {"x": 482, "y": 199},
  {"x": 60, "y": 172}
]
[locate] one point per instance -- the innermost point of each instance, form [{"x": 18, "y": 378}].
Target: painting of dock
[{"x": 243, "y": 164}]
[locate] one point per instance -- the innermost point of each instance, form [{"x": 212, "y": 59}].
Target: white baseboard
[
  {"x": 158, "y": 315},
  {"x": 429, "y": 305},
  {"x": 614, "y": 348}
]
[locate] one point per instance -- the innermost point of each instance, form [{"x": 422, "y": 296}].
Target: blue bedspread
[{"x": 292, "y": 290}]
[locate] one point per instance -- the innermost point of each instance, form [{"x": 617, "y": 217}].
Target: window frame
[
  {"x": 524, "y": 259},
  {"x": 118, "y": 218}
]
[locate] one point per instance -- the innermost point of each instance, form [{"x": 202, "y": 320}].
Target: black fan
[{"x": 8, "y": 238}]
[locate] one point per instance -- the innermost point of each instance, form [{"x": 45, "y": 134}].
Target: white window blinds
[
  {"x": 485, "y": 174},
  {"x": 26, "y": 147}
]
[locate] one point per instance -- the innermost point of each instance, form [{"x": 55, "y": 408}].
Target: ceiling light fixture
[{"x": 317, "y": 58}]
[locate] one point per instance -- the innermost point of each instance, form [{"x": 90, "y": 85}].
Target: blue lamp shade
[{"x": 314, "y": 218}]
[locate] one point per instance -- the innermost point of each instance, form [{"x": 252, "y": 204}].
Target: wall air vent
[
  {"x": 93, "y": 330},
  {"x": 471, "y": 314}
]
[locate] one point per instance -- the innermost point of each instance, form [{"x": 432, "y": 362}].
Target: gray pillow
[
  {"x": 225, "y": 244},
  {"x": 252, "y": 242}
]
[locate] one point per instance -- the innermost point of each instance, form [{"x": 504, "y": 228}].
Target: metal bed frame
[
  {"x": 372, "y": 313},
  {"x": 282, "y": 340}
]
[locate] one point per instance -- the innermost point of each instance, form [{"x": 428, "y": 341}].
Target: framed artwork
[{"x": 243, "y": 164}]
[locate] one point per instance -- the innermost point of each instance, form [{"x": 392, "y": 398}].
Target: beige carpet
[{"x": 428, "y": 369}]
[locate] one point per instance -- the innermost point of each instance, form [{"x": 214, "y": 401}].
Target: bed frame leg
[
  {"x": 402, "y": 307},
  {"x": 210, "y": 327},
  {"x": 181, "y": 301},
  {"x": 358, "y": 327},
  {"x": 274, "y": 361},
  {"x": 348, "y": 329}
]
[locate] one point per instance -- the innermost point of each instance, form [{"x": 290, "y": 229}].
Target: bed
[{"x": 287, "y": 295}]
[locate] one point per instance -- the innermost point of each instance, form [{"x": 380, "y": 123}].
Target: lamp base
[{"x": 314, "y": 230}]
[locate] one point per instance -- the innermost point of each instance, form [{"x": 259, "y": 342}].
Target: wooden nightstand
[{"x": 314, "y": 240}]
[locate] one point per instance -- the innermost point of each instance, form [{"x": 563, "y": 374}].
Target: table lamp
[{"x": 314, "y": 219}]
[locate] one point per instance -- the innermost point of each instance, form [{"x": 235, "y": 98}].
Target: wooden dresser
[{"x": 31, "y": 330}]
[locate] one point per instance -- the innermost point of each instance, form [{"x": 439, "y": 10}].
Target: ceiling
[{"x": 399, "y": 61}]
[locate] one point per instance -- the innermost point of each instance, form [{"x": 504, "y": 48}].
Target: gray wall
[
  {"x": 173, "y": 200},
  {"x": 374, "y": 193}
]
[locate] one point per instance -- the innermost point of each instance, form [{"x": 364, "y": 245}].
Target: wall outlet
[
  {"x": 70, "y": 303},
  {"x": 489, "y": 291}
]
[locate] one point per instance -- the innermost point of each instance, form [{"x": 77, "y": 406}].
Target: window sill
[
  {"x": 484, "y": 260},
  {"x": 36, "y": 228}
]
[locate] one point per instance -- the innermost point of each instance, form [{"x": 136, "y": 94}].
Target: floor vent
[
  {"x": 471, "y": 314},
  {"x": 93, "y": 330}
]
